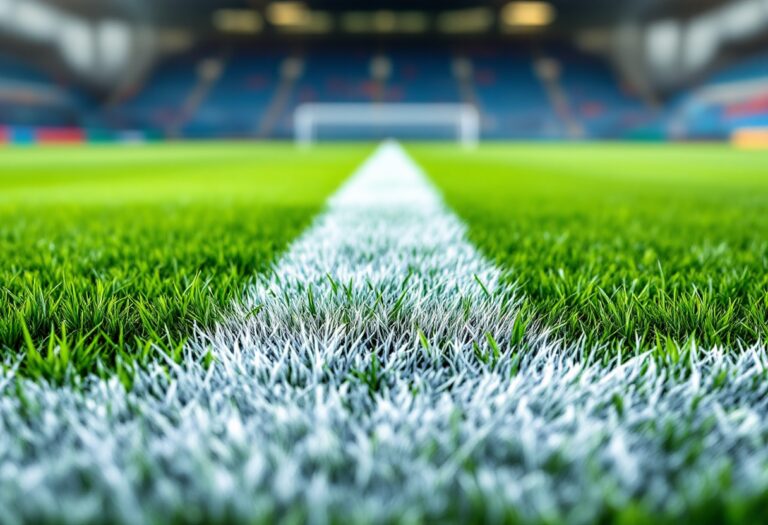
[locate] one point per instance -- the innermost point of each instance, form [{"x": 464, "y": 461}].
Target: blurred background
[{"x": 105, "y": 70}]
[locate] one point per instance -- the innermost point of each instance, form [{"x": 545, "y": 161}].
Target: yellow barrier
[{"x": 750, "y": 138}]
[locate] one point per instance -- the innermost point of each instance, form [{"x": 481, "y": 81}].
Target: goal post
[{"x": 463, "y": 119}]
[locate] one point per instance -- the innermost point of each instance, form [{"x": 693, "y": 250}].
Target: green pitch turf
[
  {"x": 105, "y": 251},
  {"x": 621, "y": 244}
]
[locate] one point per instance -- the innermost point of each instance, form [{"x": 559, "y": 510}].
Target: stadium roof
[{"x": 569, "y": 12}]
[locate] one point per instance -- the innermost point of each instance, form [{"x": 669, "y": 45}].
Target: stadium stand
[
  {"x": 208, "y": 93},
  {"x": 30, "y": 98},
  {"x": 241, "y": 89},
  {"x": 422, "y": 75},
  {"x": 511, "y": 97},
  {"x": 325, "y": 75},
  {"x": 157, "y": 103},
  {"x": 752, "y": 67},
  {"x": 730, "y": 99},
  {"x": 595, "y": 95}
]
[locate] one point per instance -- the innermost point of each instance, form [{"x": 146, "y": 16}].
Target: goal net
[{"x": 311, "y": 121}]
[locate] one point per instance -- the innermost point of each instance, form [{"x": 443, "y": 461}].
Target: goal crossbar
[{"x": 464, "y": 118}]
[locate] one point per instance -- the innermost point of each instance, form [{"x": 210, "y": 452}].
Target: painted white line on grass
[{"x": 371, "y": 378}]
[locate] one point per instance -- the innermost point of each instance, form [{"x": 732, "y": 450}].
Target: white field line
[{"x": 359, "y": 384}]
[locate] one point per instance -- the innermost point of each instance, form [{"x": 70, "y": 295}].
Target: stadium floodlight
[
  {"x": 463, "y": 118},
  {"x": 528, "y": 14}
]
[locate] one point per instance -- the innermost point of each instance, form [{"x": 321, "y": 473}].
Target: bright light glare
[
  {"x": 743, "y": 18},
  {"x": 663, "y": 43},
  {"x": 114, "y": 44},
  {"x": 35, "y": 20},
  {"x": 77, "y": 43},
  {"x": 528, "y": 14},
  {"x": 6, "y": 10},
  {"x": 702, "y": 39},
  {"x": 287, "y": 13},
  {"x": 297, "y": 17}
]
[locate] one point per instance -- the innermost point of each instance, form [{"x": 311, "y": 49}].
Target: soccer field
[
  {"x": 622, "y": 244},
  {"x": 107, "y": 251},
  {"x": 357, "y": 333}
]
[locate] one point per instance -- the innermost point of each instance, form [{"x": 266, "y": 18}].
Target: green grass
[
  {"x": 113, "y": 251},
  {"x": 620, "y": 243},
  {"x": 109, "y": 251}
]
